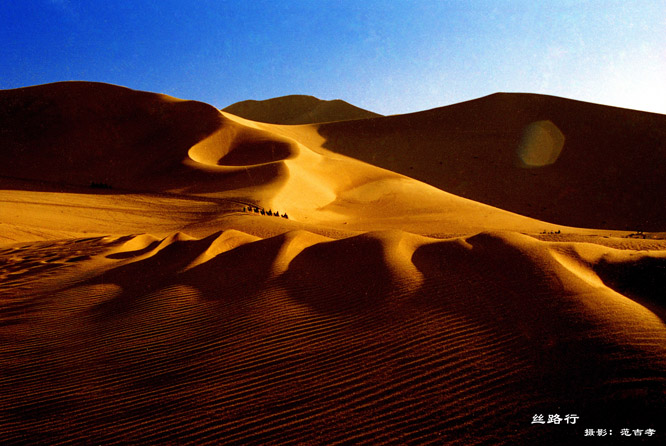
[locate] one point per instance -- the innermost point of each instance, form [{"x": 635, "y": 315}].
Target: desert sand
[{"x": 173, "y": 273}]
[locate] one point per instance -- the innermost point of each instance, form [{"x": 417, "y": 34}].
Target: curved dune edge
[
  {"x": 296, "y": 332},
  {"x": 236, "y": 146}
]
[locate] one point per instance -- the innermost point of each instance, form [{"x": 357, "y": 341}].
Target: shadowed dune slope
[
  {"x": 503, "y": 150},
  {"x": 385, "y": 337},
  {"x": 83, "y": 132},
  {"x": 298, "y": 109}
]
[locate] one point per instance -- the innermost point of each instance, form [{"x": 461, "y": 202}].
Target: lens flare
[{"x": 541, "y": 144}]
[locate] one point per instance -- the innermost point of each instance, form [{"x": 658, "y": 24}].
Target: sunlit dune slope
[
  {"x": 384, "y": 337},
  {"x": 503, "y": 150},
  {"x": 298, "y": 109},
  {"x": 60, "y": 139}
]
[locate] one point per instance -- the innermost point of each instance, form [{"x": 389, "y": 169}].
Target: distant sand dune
[
  {"x": 298, "y": 109},
  {"x": 170, "y": 273}
]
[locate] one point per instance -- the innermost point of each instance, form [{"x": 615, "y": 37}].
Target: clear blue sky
[{"x": 389, "y": 56}]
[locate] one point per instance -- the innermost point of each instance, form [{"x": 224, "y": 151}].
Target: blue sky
[{"x": 390, "y": 56}]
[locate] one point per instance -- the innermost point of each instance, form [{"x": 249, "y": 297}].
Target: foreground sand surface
[{"x": 148, "y": 296}]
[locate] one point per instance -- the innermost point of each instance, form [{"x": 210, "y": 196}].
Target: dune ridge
[{"x": 172, "y": 273}]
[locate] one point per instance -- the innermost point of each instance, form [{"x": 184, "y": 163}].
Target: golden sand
[{"x": 171, "y": 273}]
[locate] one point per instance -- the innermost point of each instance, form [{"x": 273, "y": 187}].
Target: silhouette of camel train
[
  {"x": 261, "y": 211},
  {"x": 96, "y": 185}
]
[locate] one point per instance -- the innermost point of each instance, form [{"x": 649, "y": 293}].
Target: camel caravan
[{"x": 261, "y": 211}]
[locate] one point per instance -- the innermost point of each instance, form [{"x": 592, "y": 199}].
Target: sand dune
[
  {"x": 496, "y": 150},
  {"x": 165, "y": 305},
  {"x": 193, "y": 152},
  {"x": 380, "y": 337},
  {"x": 298, "y": 109}
]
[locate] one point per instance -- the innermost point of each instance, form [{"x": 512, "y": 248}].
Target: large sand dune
[
  {"x": 555, "y": 159},
  {"x": 164, "y": 304}
]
